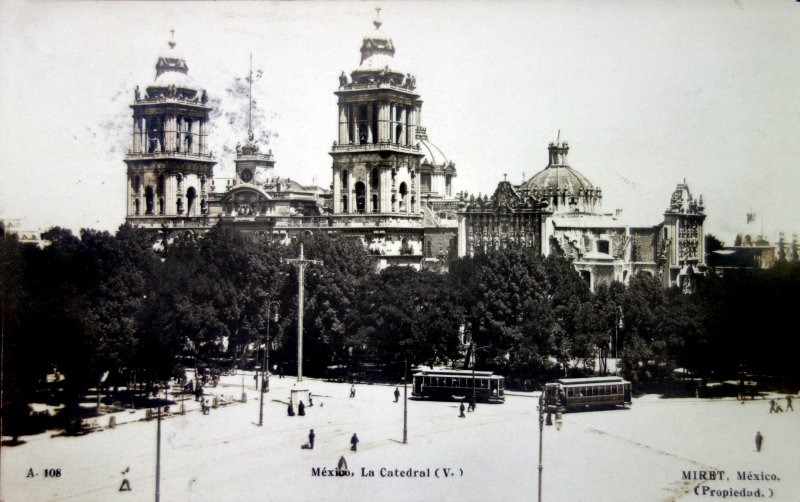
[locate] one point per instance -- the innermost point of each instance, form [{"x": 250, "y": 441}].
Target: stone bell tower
[
  {"x": 170, "y": 168},
  {"x": 376, "y": 157}
]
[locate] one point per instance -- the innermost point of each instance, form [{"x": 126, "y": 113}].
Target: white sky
[{"x": 647, "y": 93}]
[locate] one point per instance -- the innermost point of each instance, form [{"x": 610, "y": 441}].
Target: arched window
[
  {"x": 398, "y": 133},
  {"x": 137, "y": 183},
  {"x": 179, "y": 205},
  {"x": 343, "y": 178},
  {"x": 161, "y": 185},
  {"x": 403, "y": 194},
  {"x": 375, "y": 208},
  {"x": 148, "y": 200},
  {"x": 191, "y": 195}
]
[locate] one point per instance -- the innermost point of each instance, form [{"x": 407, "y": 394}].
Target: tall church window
[
  {"x": 137, "y": 183},
  {"x": 345, "y": 209},
  {"x": 375, "y": 207},
  {"x": 448, "y": 185},
  {"x": 362, "y": 125},
  {"x": 179, "y": 205},
  {"x": 374, "y": 179},
  {"x": 191, "y": 196},
  {"x": 425, "y": 182},
  {"x": 148, "y": 200},
  {"x": 161, "y": 205},
  {"x": 152, "y": 135},
  {"x": 178, "y": 130},
  {"x": 137, "y": 206},
  {"x": 343, "y": 178},
  {"x": 188, "y": 139},
  {"x": 361, "y": 201}
]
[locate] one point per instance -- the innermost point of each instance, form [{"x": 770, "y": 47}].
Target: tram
[
  {"x": 588, "y": 393},
  {"x": 458, "y": 384}
]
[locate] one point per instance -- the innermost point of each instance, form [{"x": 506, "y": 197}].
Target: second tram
[
  {"x": 458, "y": 384},
  {"x": 583, "y": 393}
]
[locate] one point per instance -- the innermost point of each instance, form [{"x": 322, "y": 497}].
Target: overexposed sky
[{"x": 647, "y": 93}]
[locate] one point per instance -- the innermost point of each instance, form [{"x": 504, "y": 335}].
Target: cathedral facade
[
  {"x": 391, "y": 188},
  {"x": 559, "y": 211}
]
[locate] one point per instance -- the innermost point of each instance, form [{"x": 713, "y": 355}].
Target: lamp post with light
[
  {"x": 301, "y": 263},
  {"x": 265, "y": 361}
]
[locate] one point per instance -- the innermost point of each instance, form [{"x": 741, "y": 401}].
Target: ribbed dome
[
  {"x": 558, "y": 175},
  {"x": 559, "y": 178},
  {"x": 565, "y": 189}
]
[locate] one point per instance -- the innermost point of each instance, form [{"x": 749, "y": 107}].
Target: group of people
[
  {"x": 470, "y": 407},
  {"x": 775, "y": 407},
  {"x": 311, "y": 436}
]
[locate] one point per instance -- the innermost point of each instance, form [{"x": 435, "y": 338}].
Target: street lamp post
[
  {"x": 559, "y": 422},
  {"x": 158, "y": 453},
  {"x": 265, "y": 365},
  {"x": 405, "y": 401},
  {"x": 301, "y": 264}
]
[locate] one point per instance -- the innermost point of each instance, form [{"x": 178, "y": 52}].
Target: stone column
[{"x": 337, "y": 192}]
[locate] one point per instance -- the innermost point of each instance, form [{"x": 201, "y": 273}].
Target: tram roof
[
  {"x": 591, "y": 380},
  {"x": 456, "y": 373}
]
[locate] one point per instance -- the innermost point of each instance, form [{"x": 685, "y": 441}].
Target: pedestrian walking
[
  {"x": 290, "y": 410},
  {"x": 396, "y": 394},
  {"x": 461, "y": 410},
  {"x": 354, "y": 442},
  {"x": 311, "y": 437},
  {"x": 772, "y": 406},
  {"x": 759, "y": 440},
  {"x": 310, "y": 400},
  {"x": 789, "y": 403},
  {"x": 206, "y": 407},
  {"x": 472, "y": 404},
  {"x": 301, "y": 409},
  {"x": 352, "y": 391}
]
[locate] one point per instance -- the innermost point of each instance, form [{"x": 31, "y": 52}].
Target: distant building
[{"x": 24, "y": 235}]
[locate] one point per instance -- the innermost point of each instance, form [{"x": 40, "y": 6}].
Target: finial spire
[
  {"x": 377, "y": 21},
  {"x": 172, "y": 42}
]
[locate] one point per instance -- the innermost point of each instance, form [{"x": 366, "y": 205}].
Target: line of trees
[{"x": 99, "y": 303}]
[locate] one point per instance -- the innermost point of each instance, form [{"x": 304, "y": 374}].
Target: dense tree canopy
[{"x": 100, "y": 304}]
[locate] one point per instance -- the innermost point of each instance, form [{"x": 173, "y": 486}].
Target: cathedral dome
[
  {"x": 377, "y": 49},
  {"x": 566, "y": 189},
  {"x": 172, "y": 77}
]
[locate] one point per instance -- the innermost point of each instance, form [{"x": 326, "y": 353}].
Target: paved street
[{"x": 618, "y": 455}]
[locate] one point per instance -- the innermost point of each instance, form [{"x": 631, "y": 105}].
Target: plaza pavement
[{"x": 639, "y": 454}]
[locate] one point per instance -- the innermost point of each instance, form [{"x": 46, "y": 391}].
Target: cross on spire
[
  {"x": 377, "y": 21},
  {"x": 172, "y": 42}
]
